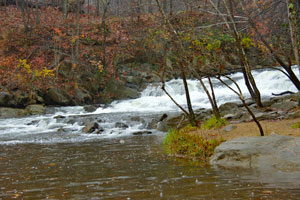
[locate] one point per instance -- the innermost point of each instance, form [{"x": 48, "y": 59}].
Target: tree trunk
[
  {"x": 65, "y": 8},
  {"x": 211, "y": 98},
  {"x": 243, "y": 56},
  {"x": 37, "y": 12},
  {"x": 165, "y": 6},
  {"x": 192, "y": 117},
  {"x": 293, "y": 30},
  {"x": 215, "y": 108},
  {"x": 291, "y": 74},
  {"x": 77, "y": 30},
  {"x": 286, "y": 67},
  {"x": 247, "y": 83},
  {"x": 105, "y": 5},
  {"x": 23, "y": 11},
  {"x": 171, "y": 7},
  {"x": 182, "y": 65},
  {"x": 239, "y": 93},
  {"x": 97, "y": 8}
]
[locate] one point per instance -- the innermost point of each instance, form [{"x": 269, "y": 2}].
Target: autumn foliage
[{"x": 27, "y": 58}]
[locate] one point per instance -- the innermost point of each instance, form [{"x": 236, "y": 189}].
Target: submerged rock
[
  {"x": 90, "y": 108},
  {"x": 137, "y": 119},
  {"x": 121, "y": 125},
  {"x": 269, "y": 152}
]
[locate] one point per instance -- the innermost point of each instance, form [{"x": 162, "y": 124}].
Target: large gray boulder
[
  {"x": 169, "y": 121},
  {"x": 57, "y": 96},
  {"x": 285, "y": 106},
  {"x": 82, "y": 96},
  {"x": 12, "y": 112},
  {"x": 7, "y": 99},
  {"x": 35, "y": 109},
  {"x": 229, "y": 108},
  {"x": 270, "y": 152},
  {"x": 116, "y": 90}
]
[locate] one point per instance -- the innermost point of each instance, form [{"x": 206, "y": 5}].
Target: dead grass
[{"x": 283, "y": 127}]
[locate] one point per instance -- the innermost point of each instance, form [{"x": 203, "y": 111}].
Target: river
[{"x": 48, "y": 157}]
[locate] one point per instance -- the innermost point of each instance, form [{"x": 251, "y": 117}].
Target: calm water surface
[{"x": 135, "y": 169}]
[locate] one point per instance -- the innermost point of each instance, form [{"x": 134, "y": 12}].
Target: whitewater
[{"x": 64, "y": 124}]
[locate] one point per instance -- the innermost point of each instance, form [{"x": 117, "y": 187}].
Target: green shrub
[
  {"x": 184, "y": 143},
  {"x": 213, "y": 122}
]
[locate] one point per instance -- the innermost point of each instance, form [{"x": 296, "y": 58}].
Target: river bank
[
  {"x": 244, "y": 129},
  {"x": 280, "y": 117}
]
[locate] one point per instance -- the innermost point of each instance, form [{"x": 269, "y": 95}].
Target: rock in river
[
  {"x": 36, "y": 109},
  {"x": 269, "y": 152},
  {"x": 121, "y": 125},
  {"x": 90, "y": 127}
]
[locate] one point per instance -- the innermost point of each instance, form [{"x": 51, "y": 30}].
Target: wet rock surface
[
  {"x": 36, "y": 109},
  {"x": 56, "y": 96},
  {"x": 284, "y": 107},
  {"x": 270, "y": 152},
  {"x": 90, "y": 108},
  {"x": 12, "y": 112},
  {"x": 121, "y": 125},
  {"x": 90, "y": 127}
]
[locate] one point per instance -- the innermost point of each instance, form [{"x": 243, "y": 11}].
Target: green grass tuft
[{"x": 213, "y": 122}]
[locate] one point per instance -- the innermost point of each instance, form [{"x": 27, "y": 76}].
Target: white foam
[{"x": 43, "y": 129}]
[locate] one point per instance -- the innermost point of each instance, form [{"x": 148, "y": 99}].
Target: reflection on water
[{"x": 135, "y": 169}]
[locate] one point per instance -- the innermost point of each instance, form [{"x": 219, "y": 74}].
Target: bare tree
[
  {"x": 232, "y": 26},
  {"x": 269, "y": 45},
  {"x": 293, "y": 29},
  {"x": 182, "y": 63},
  {"x": 238, "y": 92}
]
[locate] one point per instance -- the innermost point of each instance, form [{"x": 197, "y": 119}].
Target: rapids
[{"x": 152, "y": 102}]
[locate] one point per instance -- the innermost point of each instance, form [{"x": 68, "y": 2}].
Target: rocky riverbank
[
  {"x": 243, "y": 147},
  {"x": 284, "y": 107}
]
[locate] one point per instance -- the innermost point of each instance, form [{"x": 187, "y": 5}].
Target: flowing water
[{"x": 48, "y": 157}]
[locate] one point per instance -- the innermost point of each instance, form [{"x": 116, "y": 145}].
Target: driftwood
[{"x": 283, "y": 93}]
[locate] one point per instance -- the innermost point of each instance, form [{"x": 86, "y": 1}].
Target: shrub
[
  {"x": 214, "y": 122},
  {"x": 185, "y": 143}
]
